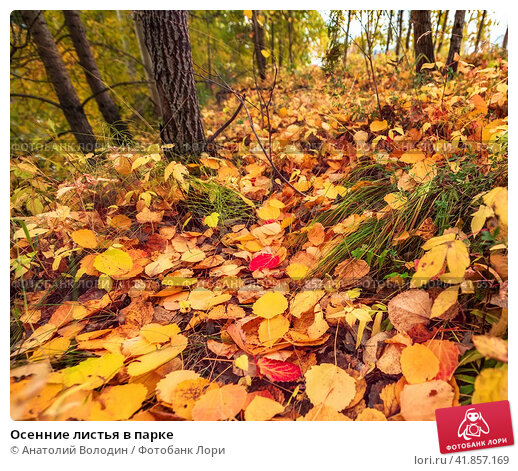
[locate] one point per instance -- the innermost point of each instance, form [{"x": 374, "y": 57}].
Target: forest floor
[{"x": 363, "y": 276}]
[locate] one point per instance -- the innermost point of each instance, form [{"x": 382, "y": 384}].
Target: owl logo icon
[{"x": 473, "y": 425}]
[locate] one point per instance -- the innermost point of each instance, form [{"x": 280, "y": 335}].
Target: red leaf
[
  {"x": 448, "y": 355},
  {"x": 264, "y": 260},
  {"x": 276, "y": 370}
]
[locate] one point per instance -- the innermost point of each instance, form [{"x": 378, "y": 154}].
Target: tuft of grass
[{"x": 207, "y": 197}]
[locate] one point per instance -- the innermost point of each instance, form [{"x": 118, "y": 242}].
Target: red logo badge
[{"x": 474, "y": 427}]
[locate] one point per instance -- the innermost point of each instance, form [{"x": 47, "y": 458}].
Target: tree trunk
[
  {"x": 346, "y": 45},
  {"x": 58, "y": 75},
  {"x": 107, "y": 107},
  {"x": 389, "y": 36},
  {"x": 166, "y": 36},
  {"x": 423, "y": 45},
  {"x": 408, "y": 33},
  {"x": 436, "y": 35},
  {"x": 504, "y": 42},
  {"x": 400, "y": 32},
  {"x": 258, "y": 33},
  {"x": 456, "y": 40},
  {"x": 480, "y": 29},
  {"x": 148, "y": 66},
  {"x": 290, "y": 37},
  {"x": 443, "y": 29}
]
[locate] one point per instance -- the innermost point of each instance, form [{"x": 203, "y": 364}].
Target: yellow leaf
[
  {"x": 153, "y": 360},
  {"x": 241, "y": 362},
  {"x": 52, "y": 349},
  {"x": 296, "y": 271},
  {"x": 85, "y": 238},
  {"x": 329, "y": 385},
  {"x": 458, "y": 258},
  {"x": 193, "y": 255},
  {"x": 267, "y": 212},
  {"x": 113, "y": 262},
  {"x": 491, "y": 385},
  {"x": 444, "y": 301},
  {"x": 186, "y": 393},
  {"x": 412, "y": 157},
  {"x": 270, "y": 305},
  {"x": 156, "y": 333},
  {"x": 262, "y": 408},
  {"x": 377, "y": 126},
  {"x": 369, "y": 414},
  {"x": 167, "y": 385},
  {"x": 428, "y": 65},
  {"x": 118, "y": 402},
  {"x": 395, "y": 200},
  {"x": 265, "y": 53},
  {"x": 93, "y": 372},
  {"x": 429, "y": 265},
  {"x": 419, "y": 364},
  {"x": 479, "y": 218},
  {"x": 491, "y": 347},
  {"x": 271, "y": 330},
  {"x": 434, "y": 241},
  {"x": 498, "y": 199},
  {"x": 423, "y": 171},
  {"x": 248, "y": 14},
  {"x": 212, "y": 220}
]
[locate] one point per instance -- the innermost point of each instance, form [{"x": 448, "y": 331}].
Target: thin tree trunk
[
  {"x": 58, "y": 75},
  {"x": 272, "y": 39},
  {"x": 423, "y": 45},
  {"x": 443, "y": 29},
  {"x": 148, "y": 67},
  {"x": 290, "y": 38},
  {"x": 130, "y": 64},
  {"x": 400, "y": 32},
  {"x": 504, "y": 43},
  {"x": 436, "y": 35},
  {"x": 87, "y": 61},
  {"x": 480, "y": 29},
  {"x": 166, "y": 36},
  {"x": 258, "y": 33},
  {"x": 346, "y": 45},
  {"x": 408, "y": 33},
  {"x": 389, "y": 36},
  {"x": 456, "y": 40}
]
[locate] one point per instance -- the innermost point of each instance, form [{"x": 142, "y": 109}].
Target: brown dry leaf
[
  {"x": 419, "y": 401},
  {"x": 390, "y": 360},
  {"x": 316, "y": 234},
  {"x": 351, "y": 271},
  {"x": 390, "y": 402},
  {"x": 410, "y": 308},
  {"x": 147, "y": 216},
  {"x": 226, "y": 350},
  {"x": 304, "y": 302},
  {"x": 220, "y": 404}
]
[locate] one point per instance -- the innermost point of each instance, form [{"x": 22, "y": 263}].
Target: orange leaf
[
  {"x": 276, "y": 370},
  {"x": 220, "y": 404},
  {"x": 448, "y": 355}
]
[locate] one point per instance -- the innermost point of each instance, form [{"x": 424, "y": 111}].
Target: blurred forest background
[{"x": 223, "y": 51}]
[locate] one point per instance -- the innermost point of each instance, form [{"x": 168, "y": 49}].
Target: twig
[{"x": 211, "y": 139}]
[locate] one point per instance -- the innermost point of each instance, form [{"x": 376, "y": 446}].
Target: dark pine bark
[
  {"x": 408, "y": 33},
  {"x": 58, "y": 75},
  {"x": 166, "y": 36},
  {"x": 107, "y": 107},
  {"x": 423, "y": 44},
  {"x": 456, "y": 40},
  {"x": 258, "y": 34}
]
